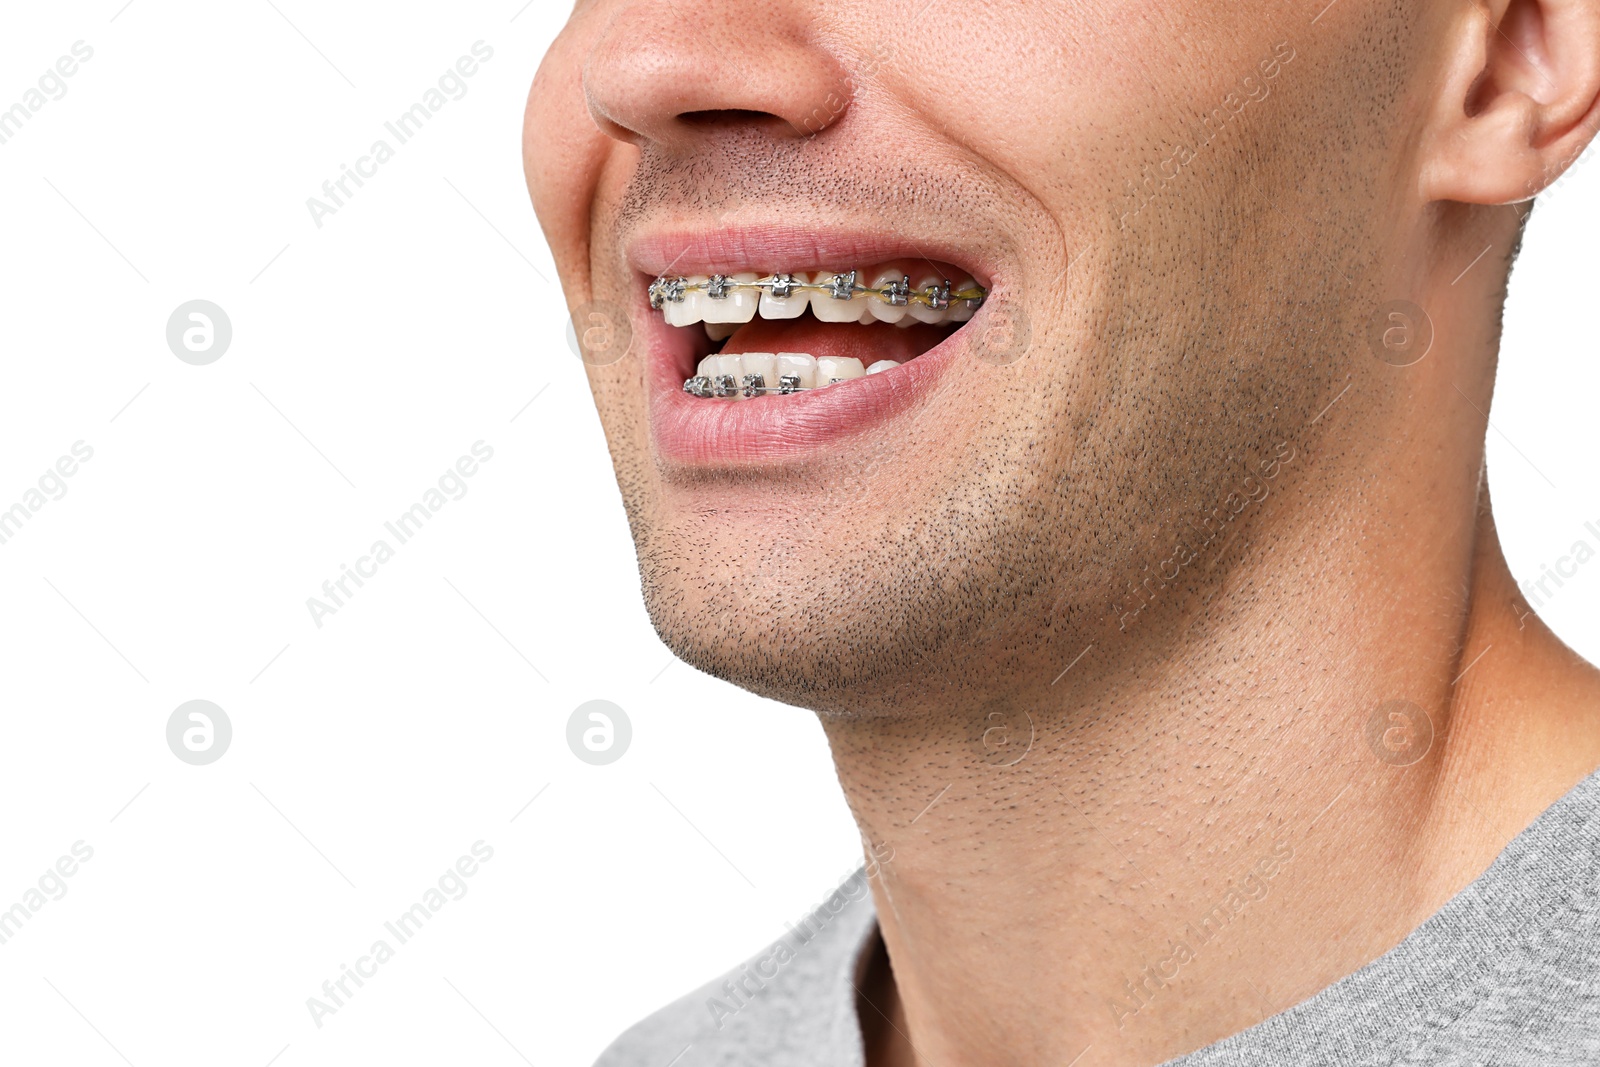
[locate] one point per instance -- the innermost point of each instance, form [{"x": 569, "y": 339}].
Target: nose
[{"x": 664, "y": 73}]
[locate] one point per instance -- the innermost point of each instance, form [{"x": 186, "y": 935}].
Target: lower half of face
[{"x": 915, "y": 406}]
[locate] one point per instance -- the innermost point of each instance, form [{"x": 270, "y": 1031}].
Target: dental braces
[
  {"x": 844, "y": 286},
  {"x": 727, "y": 386}
]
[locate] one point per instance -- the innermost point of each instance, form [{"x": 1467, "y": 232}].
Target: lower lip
[{"x": 767, "y": 430}]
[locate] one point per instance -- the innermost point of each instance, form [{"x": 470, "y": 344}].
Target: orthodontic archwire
[
  {"x": 843, "y": 286},
  {"x": 726, "y": 385}
]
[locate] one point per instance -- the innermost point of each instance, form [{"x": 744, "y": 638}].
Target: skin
[{"x": 957, "y": 592}]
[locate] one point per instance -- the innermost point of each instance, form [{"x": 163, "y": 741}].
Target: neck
[{"x": 1164, "y": 854}]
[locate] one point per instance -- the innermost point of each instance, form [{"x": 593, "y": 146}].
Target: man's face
[{"x": 1181, "y": 213}]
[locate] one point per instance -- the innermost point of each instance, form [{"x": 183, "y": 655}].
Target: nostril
[
  {"x": 728, "y": 114},
  {"x": 728, "y": 117}
]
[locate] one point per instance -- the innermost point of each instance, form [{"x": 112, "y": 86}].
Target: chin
[{"x": 840, "y": 645}]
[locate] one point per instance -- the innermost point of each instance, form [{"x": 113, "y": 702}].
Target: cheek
[
  {"x": 563, "y": 152},
  {"x": 1031, "y": 97},
  {"x": 618, "y": 388},
  {"x": 1096, "y": 112}
]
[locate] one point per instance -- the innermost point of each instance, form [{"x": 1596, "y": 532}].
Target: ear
[{"x": 1519, "y": 103}]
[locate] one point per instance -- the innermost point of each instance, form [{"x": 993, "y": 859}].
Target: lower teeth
[{"x": 728, "y": 386}]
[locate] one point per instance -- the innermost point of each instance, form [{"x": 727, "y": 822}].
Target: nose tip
[{"x": 666, "y": 74}]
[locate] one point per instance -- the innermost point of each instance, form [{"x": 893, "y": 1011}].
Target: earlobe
[{"x": 1519, "y": 102}]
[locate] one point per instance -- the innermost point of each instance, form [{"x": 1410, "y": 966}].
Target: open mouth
[
  {"x": 773, "y": 346},
  {"x": 754, "y": 335}
]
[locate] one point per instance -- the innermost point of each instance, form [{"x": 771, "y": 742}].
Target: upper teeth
[{"x": 831, "y": 297}]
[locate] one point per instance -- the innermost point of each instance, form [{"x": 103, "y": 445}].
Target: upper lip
[{"x": 766, "y": 248}]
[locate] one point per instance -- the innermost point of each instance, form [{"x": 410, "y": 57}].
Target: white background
[{"x": 368, "y": 754}]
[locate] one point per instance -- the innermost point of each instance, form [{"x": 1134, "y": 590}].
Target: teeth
[
  {"x": 691, "y": 309},
  {"x": 800, "y": 365},
  {"x": 730, "y": 299},
  {"x": 885, "y": 310},
  {"x": 752, "y": 374},
  {"x": 724, "y": 302},
  {"x": 927, "y": 283},
  {"x": 834, "y": 306},
  {"x": 832, "y": 369},
  {"x": 962, "y": 310},
  {"x": 790, "y": 307},
  {"x": 762, "y": 363},
  {"x": 736, "y": 305},
  {"x": 713, "y": 366}
]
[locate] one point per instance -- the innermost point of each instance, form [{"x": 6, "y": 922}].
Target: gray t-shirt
[{"x": 1507, "y": 972}]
